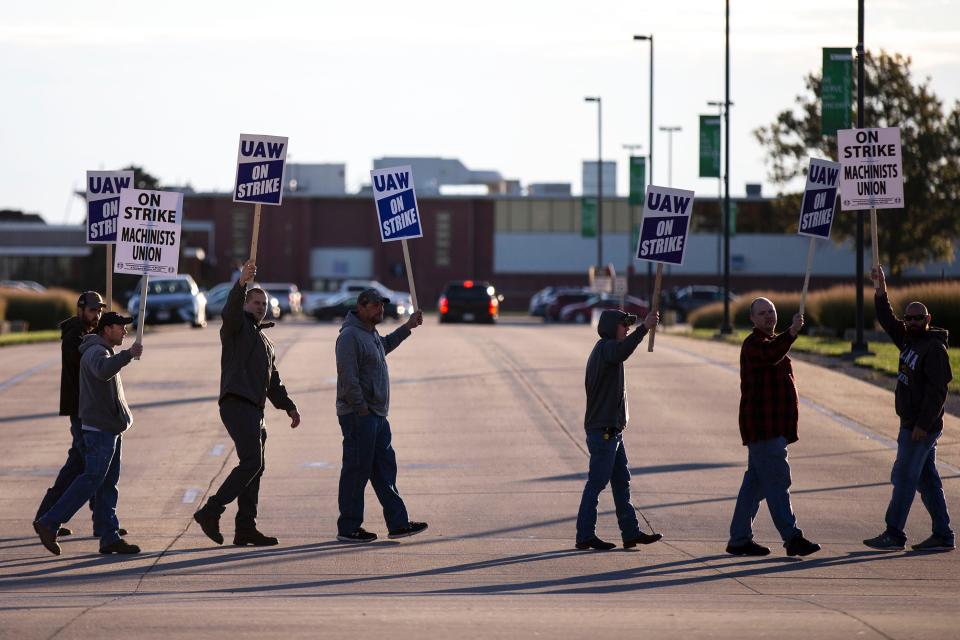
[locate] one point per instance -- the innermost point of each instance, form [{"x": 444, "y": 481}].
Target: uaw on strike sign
[
  {"x": 819, "y": 198},
  {"x": 148, "y": 233},
  {"x": 103, "y": 204},
  {"x": 261, "y": 161},
  {"x": 396, "y": 202},
  {"x": 665, "y": 225},
  {"x": 872, "y": 168}
]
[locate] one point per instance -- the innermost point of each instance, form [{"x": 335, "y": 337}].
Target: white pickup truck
[{"x": 401, "y": 303}]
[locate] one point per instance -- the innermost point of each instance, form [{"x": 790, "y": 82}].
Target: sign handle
[
  {"x": 256, "y": 232},
  {"x": 406, "y": 260},
  {"x": 876, "y": 243},
  {"x": 655, "y": 304},
  {"x": 109, "y": 291},
  {"x": 806, "y": 278},
  {"x": 143, "y": 309}
]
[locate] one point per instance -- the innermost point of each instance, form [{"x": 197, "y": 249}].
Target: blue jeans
[
  {"x": 101, "y": 471},
  {"x": 767, "y": 477},
  {"x": 72, "y": 468},
  {"x": 368, "y": 456},
  {"x": 916, "y": 470},
  {"x": 608, "y": 463}
]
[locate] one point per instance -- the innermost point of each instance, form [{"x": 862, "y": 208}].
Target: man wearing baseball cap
[
  {"x": 104, "y": 417},
  {"x": 363, "y": 401},
  {"x": 72, "y": 330},
  {"x": 604, "y": 421}
]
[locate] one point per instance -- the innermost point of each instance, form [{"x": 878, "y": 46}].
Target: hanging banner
[
  {"x": 148, "y": 232},
  {"x": 638, "y": 180},
  {"x": 836, "y": 91},
  {"x": 872, "y": 175},
  {"x": 709, "y": 146},
  {"x": 665, "y": 225},
  {"x": 396, "y": 201},
  {"x": 819, "y": 198},
  {"x": 261, "y": 162},
  {"x": 103, "y": 204}
]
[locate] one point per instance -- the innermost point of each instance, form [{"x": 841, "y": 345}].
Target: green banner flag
[
  {"x": 709, "y": 146},
  {"x": 836, "y": 91},
  {"x": 638, "y": 180},
  {"x": 588, "y": 217}
]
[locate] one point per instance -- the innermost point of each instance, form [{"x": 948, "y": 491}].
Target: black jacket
[
  {"x": 247, "y": 358},
  {"x": 924, "y": 370},
  {"x": 606, "y": 393},
  {"x": 71, "y": 333}
]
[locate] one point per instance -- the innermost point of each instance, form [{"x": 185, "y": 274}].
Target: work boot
[
  {"x": 750, "y": 548},
  {"x": 209, "y": 524},
  {"x": 595, "y": 543},
  {"x": 121, "y": 546},
  {"x": 253, "y": 538},
  {"x": 800, "y": 546},
  {"x": 643, "y": 538},
  {"x": 48, "y": 538}
]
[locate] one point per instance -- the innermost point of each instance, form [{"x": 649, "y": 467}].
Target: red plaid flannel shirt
[{"x": 768, "y": 395}]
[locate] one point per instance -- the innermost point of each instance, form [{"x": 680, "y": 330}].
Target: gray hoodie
[
  {"x": 362, "y": 378},
  {"x": 606, "y": 392},
  {"x": 102, "y": 404}
]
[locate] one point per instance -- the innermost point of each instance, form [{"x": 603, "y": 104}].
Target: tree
[
  {"x": 928, "y": 226},
  {"x": 142, "y": 179}
]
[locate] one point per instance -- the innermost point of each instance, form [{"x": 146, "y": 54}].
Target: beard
[{"x": 916, "y": 332}]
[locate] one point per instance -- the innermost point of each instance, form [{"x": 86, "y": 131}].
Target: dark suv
[{"x": 469, "y": 301}]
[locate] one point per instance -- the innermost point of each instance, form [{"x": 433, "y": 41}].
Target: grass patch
[
  {"x": 26, "y": 337},
  {"x": 886, "y": 358}
]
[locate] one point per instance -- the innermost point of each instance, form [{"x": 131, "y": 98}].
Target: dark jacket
[
  {"x": 363, "y": 380},
  {"x": 72, "y": 331},
  {"x": 102, "y": 403},
  {"x": 924, "y": 370},
  {"x": 247, "y": 358},
  {"x": 769, "y": 406},
  {"x": 606, "y": 393}
]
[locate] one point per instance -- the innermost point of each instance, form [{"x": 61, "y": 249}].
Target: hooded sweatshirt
[
  {"x": 102, "y": 404},
  {"x": 72, "y": 331},
  {"x": 924, "y": 370},
  {"x": 363, "y": 382},
  {"x": 606, "y": 393}
]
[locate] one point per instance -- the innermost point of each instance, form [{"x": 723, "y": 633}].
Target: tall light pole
[
  {"x": 670, "y": 131},
  {"x": 859, "y": 345},
  {"x": 727, "y": 326},
  {"x": 631, "y": 150},
  {"x": 599, "y": 178},
  {"x": 721, "y": 106},
  {"x": 649, "y": 38}
]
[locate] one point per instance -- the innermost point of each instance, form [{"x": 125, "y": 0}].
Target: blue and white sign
[
  {"x": 665, "y": 225},
  {"x": 396, "y": 202},
  {"x": 819, "y": 198},
  {"x": 148, "y": 233},
  {"x": 261, "y": 162},
  {"x": 103, "y": 204}
]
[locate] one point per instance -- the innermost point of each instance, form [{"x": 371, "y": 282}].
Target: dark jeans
[
  {"x": 368, "y": 455},
  {"x": 608, "y": 463},
  {"x": 767, "y": 477},
  {"x": 101, "y": 472},
  {"x": 915, "y": 470},
  {"x": 72, "y": 468},
  {"x": 244, "y": 423}
]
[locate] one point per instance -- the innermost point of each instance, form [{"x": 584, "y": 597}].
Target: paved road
[{"x": 486, "y": 423}]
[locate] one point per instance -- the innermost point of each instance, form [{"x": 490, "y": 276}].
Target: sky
[{"x": 499, "y": 84}]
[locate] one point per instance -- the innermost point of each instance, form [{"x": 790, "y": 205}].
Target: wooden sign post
[{"x": 655, "y": 304}]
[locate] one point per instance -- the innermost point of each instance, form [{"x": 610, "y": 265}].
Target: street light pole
[
  {"x": 631, "y": 149},
  {"x": 860, "y": 345},
  {"x": 727, "y": 326},
  {"x": 721, "y": 108},
  {"x": 649, "y": 39},
  {"x": 670, "y": 130},
  {"x": 599, "y": 178}
]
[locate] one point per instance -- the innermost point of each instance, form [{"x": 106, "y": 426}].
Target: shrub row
[
  {"x": 39, "y": 310},
  {"x": 833, "y": 310}
]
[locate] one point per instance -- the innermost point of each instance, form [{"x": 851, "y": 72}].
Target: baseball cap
[
  {"x": 110, "y": 318},
  {"x": 371, "y": 295},
  {"x": 90, "y": 299}
]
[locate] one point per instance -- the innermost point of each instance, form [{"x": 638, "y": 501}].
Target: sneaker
[
  {"x": 643, "y": 538},
  {"x": 595, "y": 543},
  {"x": 209, "y": 524},
  {"x": 47, "y": 538},
  {"x": 800, "y": 546},
  {"x": 253, "y": 538},
  {"x": 121, "y": 531},
  {"x": 120, "y": 546},
  {"x": 884, "y": 542},
  {"x": 64, "y": 531},
  {"x": 935, "y": 543},
  {"x": 750, "y": 548},
  {"x": 412, "y": 529},
  {"x": 360, "y": 535}
]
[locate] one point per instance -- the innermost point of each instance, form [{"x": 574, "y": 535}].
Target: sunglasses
[{"x": 914, "y": 317}]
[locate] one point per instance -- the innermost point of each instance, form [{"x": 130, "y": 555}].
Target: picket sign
[
  {"x": 261, "y": 165},
  {"x": 817, "y": 210},
  {"x": 103, "y": 208},
  {"x": 398, "y": 215}
]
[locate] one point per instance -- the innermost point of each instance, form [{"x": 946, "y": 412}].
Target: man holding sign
[
  {"x": 248, "y": 378},
  {"x": 768, "y": 423}
]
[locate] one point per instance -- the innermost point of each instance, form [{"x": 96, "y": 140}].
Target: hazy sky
[{"x": 500, "y": 85}]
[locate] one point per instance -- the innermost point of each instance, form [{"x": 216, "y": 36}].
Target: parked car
[
  {"x": 561, "y": 298},
  {"x": 217, "y": 299},
  {"x": 23, "y": 285},
  {"x": 540, "y": 300},
  {"x": 287, "y": 294},
  {"x": 171, "y": 299},
  {"x": 581, "y": 312},
  {"x": 469, "y": 301},
  {"x": 683, "y": 300},
  {"x": 399, "y": 307}
]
